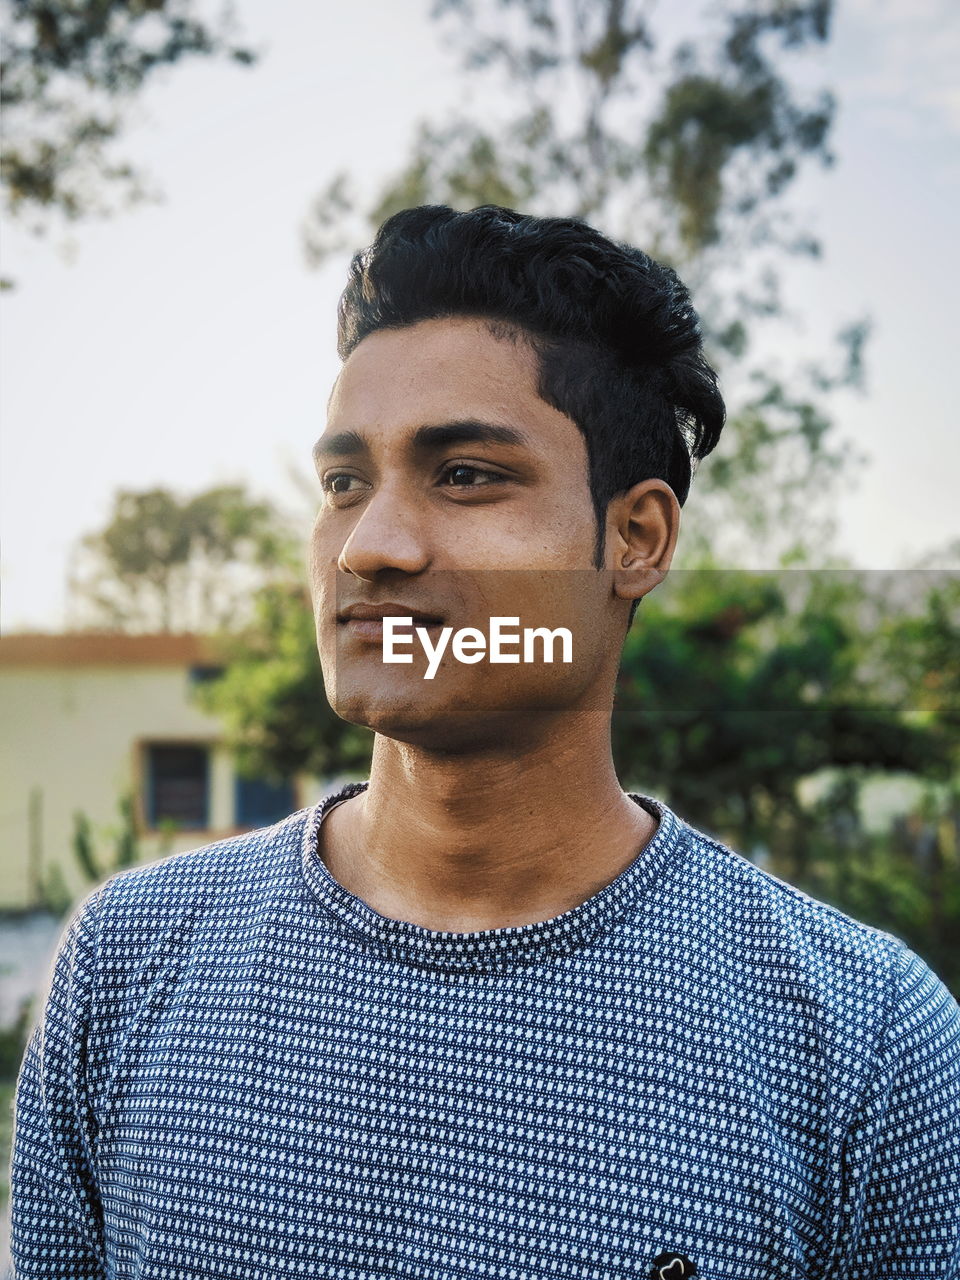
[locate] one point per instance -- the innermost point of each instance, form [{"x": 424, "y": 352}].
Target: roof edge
[{"x": 108, "y": 648}]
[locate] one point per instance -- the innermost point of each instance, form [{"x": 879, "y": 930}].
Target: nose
[{"x": 388, "y": 535}]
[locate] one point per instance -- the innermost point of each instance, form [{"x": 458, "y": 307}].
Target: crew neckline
[{"x": 489, "y": 949}]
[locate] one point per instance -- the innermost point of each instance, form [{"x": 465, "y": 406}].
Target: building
[{"x": 87, "y": 717}]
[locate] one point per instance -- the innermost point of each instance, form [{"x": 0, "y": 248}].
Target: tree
[
  {"x": 921, "y": 646},
  {"x": 94, "y": 868},
  {"x": 906, "y": 881},
  {"x": 686, "y": 144},
  {"x": 271, "y": 698},
  {"x": 739, "y": 685},
  {"x": 69, "y": 71},
  {"x": 713, "y": 140},
  {"x": 170, "y": 564}
]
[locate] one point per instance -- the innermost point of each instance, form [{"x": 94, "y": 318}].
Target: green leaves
[
  {"x": 166, "y": 564},
  {"x": 67, "y": 73},
  {"x": 272, "y": 701},
  {"x": 736, "y": 686}
]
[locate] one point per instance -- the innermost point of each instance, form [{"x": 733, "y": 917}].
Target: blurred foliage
[
  {"x": 739, "y": 684},
  {"x": 737, "y": 687},
  {"x": 271, "y": 696},
  {"x": 95, "y": 867},
  {"x": 166, "y": 564},
  {"x": 683, "y": 137},
  {"x": 13, "y": 1042},
  {"x": 68, "y": 74},
  {"x": 906, "y": 881},
  {"x": 596, "y": 108},
  {"x": 920, "y": 657}
]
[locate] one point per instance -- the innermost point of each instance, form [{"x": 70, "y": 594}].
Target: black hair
[{"x": 617, "y": 338}]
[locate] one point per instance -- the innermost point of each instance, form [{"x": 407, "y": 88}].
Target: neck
[{"x": 502, "y": 837}]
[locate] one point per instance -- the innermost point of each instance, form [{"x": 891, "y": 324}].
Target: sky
[{"x": 187, "y": 344}]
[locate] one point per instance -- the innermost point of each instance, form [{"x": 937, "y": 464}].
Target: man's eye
[
  {"x": 490, "y": 477},
  {"x": 330, "y": 483}
]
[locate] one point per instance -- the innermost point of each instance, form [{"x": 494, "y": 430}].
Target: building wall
[{"x": 73, "y": 727}]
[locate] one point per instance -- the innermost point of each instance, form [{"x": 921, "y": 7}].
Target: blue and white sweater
[{"x": 243, "y": 1071}]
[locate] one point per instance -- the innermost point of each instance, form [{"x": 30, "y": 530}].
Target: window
[
  {"x": 259, "y": 804},
  {"x": 204, "y": 675},
  {"x": 178, "y": 779}
]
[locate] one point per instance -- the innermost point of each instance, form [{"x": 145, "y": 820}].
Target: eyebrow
[{"x": 463, "y": 431}]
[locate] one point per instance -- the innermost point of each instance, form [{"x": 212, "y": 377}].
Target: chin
[
  {"x": 389, "y": 711},
  {"x": 408, "y": 716}
]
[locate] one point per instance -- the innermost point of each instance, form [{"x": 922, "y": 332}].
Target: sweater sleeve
[
  {"x": 900, "y": 1211},
  {"x": 56, "y": 1219}
]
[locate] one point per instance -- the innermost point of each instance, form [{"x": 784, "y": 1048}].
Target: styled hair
[{"x": 616, "y": 336}]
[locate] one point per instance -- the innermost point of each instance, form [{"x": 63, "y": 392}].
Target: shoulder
[
  {"x": 773, "y": 916},
  {"x": 148, "y": 930},
  {"x": 221, "y": 884},
  {"x": 781, "y": 947},
  {"x": 200, "y": 872},
  {"x": 807, "y": 977}
]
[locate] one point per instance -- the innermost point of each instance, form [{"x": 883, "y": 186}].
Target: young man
[{"x": 486, "y": 1014}]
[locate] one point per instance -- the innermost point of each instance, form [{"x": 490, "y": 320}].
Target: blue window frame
[
  {"x": 203, "y": 675},
  {"x": 178, "y": 785}
]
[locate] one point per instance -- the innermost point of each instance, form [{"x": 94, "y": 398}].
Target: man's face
[{"x": 426, "y": 508}]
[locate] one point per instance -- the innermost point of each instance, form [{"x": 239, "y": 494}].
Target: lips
[
  {"x": 365, "y": 621},
  {"x": 377, "y": 612}
]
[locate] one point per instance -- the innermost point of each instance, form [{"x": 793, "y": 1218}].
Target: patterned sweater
[{"x": 244, "y": 1071}]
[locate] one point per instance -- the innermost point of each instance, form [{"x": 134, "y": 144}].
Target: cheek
[
  {"x": 314, "y": 551},
  {"x": 555, "y": 542},
  {"x": 325, "y": 548},
  {"x": 577, "y": 600},
  {"x": 323, "y": 582},
  {"x": 569, "y": 527}
]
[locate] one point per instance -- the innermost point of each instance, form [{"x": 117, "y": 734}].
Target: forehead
[{"x": 443, "y": 370}]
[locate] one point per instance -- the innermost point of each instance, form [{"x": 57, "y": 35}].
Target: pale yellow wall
[{"x": 72, "y": 731}]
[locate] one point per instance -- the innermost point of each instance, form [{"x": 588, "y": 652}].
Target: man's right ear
[{"x": 642, "y": 529}]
